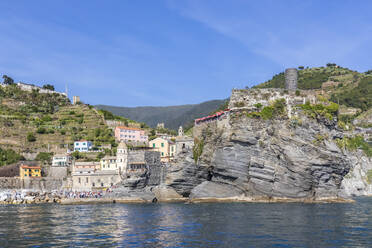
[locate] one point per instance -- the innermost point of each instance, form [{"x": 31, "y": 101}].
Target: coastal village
[{"x": 135, "y": 155}]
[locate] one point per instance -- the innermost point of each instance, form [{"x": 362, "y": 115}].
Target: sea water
[{"x": 188, "y": 225}]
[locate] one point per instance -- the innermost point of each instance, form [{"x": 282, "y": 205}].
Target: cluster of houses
[
  {"x": 135, "y": 157},
  {"x": 168, "y": 146}
]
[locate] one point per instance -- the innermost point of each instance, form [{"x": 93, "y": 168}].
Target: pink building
[{"x": 130, "y": 134}]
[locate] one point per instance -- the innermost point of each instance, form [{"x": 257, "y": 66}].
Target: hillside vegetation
[
  {"x": 341, "y": 85},
  {"x": 37, "y": 122}
]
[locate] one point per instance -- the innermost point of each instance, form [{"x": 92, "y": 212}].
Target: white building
[
  {"x": 83, "y": 146},
  {"x": 63, "y": 160},
  {"x": 122, "y": 157}
]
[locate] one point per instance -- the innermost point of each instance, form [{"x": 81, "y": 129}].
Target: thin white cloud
[{"x": 301, "y": 41}]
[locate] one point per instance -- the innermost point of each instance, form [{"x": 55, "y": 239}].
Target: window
[
  {"x": 153, "y": 145},
  {"x": 162, "y": 153},
  {"x": 87, "y": 180},
  {"x": 162, "y": 144},
  {"x": 102, "y": 184},
  {"x": 80, "y": 178},
  {"x": 93, "y": 184}
]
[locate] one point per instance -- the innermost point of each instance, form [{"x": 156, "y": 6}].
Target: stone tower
[
  {"x": 291, "y": 79},
  {"x": 122, "y": 157},
  {"x": 180, "y": 131}
]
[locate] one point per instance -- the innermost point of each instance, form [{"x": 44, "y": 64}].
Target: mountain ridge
[{"x": 172, "y": 116}]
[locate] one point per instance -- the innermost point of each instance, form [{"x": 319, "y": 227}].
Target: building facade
[
  {"x": 75, "y": 100},
  {"x": 87, "y": 176},
  {"x": 122, "y": 157},
  {"x": 61, "y": 160},
  {"x": 27, "y": 171},
  {"x": 109, "y": 163},
  {"x": 130, "y": 134},
  {"x": 183, "y": 144},
  {"x": 83, "y": 146},
  {"x": 167, "y": 148}
]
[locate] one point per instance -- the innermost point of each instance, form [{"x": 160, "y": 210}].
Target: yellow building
[
  {"x": 167, "y": 148},
  {"x": 26, "y": 171}
]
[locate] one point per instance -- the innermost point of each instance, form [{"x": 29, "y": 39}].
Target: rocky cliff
[{"x": 284, "y": 158}]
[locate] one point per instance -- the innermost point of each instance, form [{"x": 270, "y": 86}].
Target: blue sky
[{"x": 144, "y": 52}]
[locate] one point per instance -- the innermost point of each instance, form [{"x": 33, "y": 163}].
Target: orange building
[{"x": 26, "y": 171}]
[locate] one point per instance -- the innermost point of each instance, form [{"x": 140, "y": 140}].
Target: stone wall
[
  {"x": 42, "y": 184},
  {"x": 58, "y": 172}
]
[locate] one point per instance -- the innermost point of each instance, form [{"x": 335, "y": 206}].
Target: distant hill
[
  {"x": 172, "y": 116},
  {"x": 341, "y": 85}
]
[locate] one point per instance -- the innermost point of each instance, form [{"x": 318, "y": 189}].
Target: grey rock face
[
  {"x": 258, "y": 158},
  {"x": 209, "y": 189}
]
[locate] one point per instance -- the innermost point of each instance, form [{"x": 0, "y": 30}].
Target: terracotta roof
[
  {"x": 129, "y": 128},
  {"x": 30, "y": 167}
]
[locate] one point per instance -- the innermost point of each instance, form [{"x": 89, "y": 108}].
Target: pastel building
[
  {"x": 83, "y": 146},
  {"x": 130, "y": 134},
  {"x": 89, "y": 176},
  {"x": 109, "y": 163},
  {"x": 27, "y": 171},
  {"x": 167, "y": 148},
  {"x": 63, "y": 160}
]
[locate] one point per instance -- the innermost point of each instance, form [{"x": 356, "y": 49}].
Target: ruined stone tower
[{"x": 291, "y": 79}]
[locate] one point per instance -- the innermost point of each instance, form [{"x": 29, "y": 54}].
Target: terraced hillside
[{"x": 35, "y": 122}]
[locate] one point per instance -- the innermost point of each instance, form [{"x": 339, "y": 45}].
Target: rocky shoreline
[{"x": 137, "y": 200}]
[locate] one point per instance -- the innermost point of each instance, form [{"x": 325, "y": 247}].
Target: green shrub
[
  {"x": 313, "y": 111},
  {"x": 31, "y": 137},
  {"x": 258, "y": 105},
  {"x": 357, "y": 97},
  {"x": 267, "y": 113},
  {"x": 354, "y": 143},
  {"x": 44, "y": 156},
  {"x": 369, "y": 176},
  {"x": 239, "y": 104},
  {"x": 41, "y": 130},
  {"x": 198, "y": 149},
  {"x": 46, "y": 118},
  {"x": 9, "y": 156}
]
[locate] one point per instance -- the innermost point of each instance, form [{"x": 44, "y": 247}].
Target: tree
[
  {"x": 76, "y": 155},
  {"x": 48, "y": 87},
  {"x": 44, "y": 156},
  {"x": 31, "y": 137},
  {"x": 7, "y": 80},
  {"x": 8, "y": 156},
  {"x": 301, "y": 67}
]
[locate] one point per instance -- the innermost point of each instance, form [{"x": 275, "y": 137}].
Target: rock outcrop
[{"x": 258, "y": 159}]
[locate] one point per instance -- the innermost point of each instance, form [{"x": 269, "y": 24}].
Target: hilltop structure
[{"x": 291, "y": 79}]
